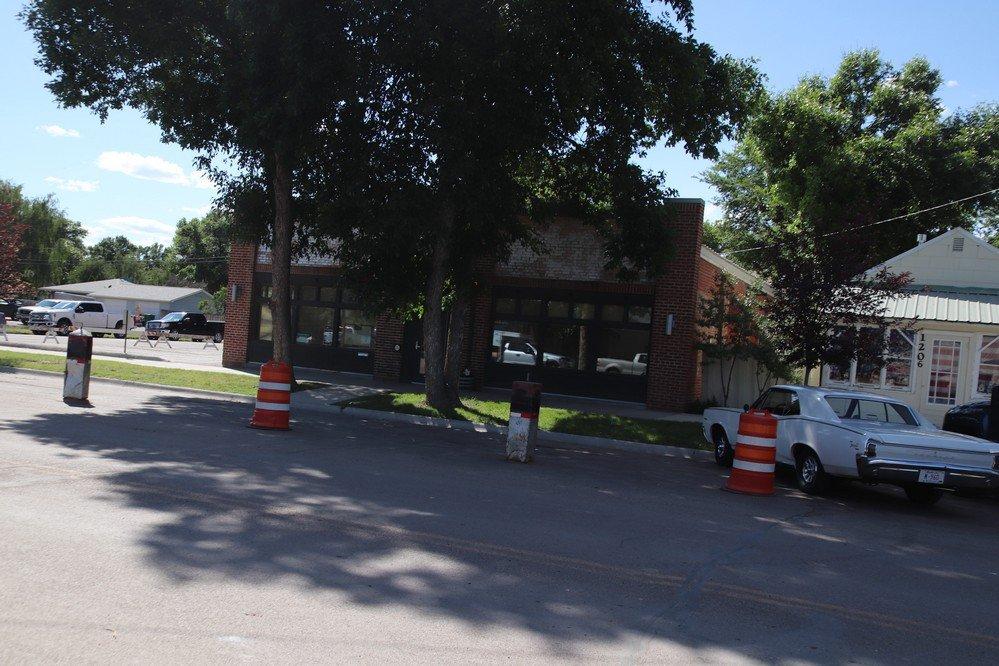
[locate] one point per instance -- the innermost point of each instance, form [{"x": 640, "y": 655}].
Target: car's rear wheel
[
  {"x": 811, "y": 476},
  {"x": 923, "y": 495},
  {"x": 218, "y": 338},
  {"x": 723, "y": 450}
]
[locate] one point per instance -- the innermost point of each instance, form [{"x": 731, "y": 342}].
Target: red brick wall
[
  {"x": 237, "y": 312},
  {"x": 674, "y": 374},
  {"x": 388, "y": 347}
]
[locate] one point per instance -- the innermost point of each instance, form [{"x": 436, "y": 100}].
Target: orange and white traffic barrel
[
  {"x": 273, "y": 408},
  {"x": 755, "y": 454}
]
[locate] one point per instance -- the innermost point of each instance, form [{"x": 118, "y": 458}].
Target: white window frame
[{"x": 881, "y": 385}]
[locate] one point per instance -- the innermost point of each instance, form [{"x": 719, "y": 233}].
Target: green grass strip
[
  {"x": 610, "y": 426},
  {"x": 206, "y": 380}
]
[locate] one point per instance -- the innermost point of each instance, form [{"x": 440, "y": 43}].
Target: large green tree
[
  {"x": 494, "y": 117},
  {"x": 820, "y": 166},
  {"x": 253, "y": 82},
  {"x": 52, "y": 243},
  {"x": 203, "y": 243}
]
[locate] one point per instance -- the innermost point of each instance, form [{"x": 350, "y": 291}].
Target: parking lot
[{"x": 157, "y": 525}]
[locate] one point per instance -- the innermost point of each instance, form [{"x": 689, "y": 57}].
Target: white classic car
[{"x": 827, "y": 433}]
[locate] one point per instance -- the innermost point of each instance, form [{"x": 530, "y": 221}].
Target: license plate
[{"x": 931, "y": 476}]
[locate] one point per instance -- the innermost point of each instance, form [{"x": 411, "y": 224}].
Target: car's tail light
[{"x": 871, "y": 449}]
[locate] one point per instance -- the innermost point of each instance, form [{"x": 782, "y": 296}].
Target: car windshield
[
  {"x": 173, "y": 316},
  {"x": 876, "y": 411},
  {"x": 65, "y": 306},
  {"x": 47, "y": 303}
]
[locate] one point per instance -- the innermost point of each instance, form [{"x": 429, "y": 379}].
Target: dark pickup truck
[{"x": 188, "y": 324}]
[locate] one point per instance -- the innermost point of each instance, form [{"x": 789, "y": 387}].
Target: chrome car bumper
[{"x": 907, "y": 473}]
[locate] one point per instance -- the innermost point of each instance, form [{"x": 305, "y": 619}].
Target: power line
[{"x": 874, "y": 224}]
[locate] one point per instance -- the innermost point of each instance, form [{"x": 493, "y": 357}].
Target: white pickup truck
[
  {"x": 825, "y": 434},
  {"x": 68, "y": 315},
  {"x": 623, "y": 366}
]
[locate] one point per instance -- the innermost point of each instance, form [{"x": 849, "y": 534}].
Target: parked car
[
  {"x": 622, "y": 366},
  {"x": 523, "y": 352},
  {"x": 9, "y": 308},
  {"x": 25, "y": 311},
  {"x": 192, "y": 324},
  {"x": 825, "y": 434},
  {"x": 68, "y": 315},
  {"x": 970, "y": 419}
]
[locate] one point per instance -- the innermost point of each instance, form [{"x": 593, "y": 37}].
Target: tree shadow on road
[{"x": 584, "y": 547}]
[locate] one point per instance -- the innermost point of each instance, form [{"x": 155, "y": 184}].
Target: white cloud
[
  {"x": 150, "y": 167},
  {"x": 139, "y": 230},
  {"x": 56, "y": 130},
  {"x": 952, "y": 84},
  {"x": 72, "y": 185},
  {"x": 199, "y": 211}
]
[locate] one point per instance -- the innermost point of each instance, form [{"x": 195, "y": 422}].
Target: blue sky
[{"x": 120, "y": 178}]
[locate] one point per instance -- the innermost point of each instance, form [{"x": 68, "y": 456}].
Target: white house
[
  {"x": 945, "y": 351},
  {"x": 119, "y": 294}
]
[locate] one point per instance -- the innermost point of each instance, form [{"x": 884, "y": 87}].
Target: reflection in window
[
  {"x": 309, "y": 293},
  {"x": 988, "y": 364},
  {"x": 558, "y": 309},
  {"x": 349, "y": 297},
  {"x": 623, "y": 351},
  {"x": 584, "y": 311},
  {"x": 568, "y": 347},
  {"x": 356, "y": 329},
  {"x": 869, "y": 341},
  {"x": 265, "y": 331},
  {"x": 315, "y": 326},
  {"x": 640, "y": 314},
  {"x": 506, "y": 305},
  {"x": 898, "y": 369},
  {"x": 612, "y": 313},
  {"x": 327, "y": 294},
  {"x": 530, "y": 308},
  {"x": 515, "y": 343}
]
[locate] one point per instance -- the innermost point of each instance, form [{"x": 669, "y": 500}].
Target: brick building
[{"x": 557, "y": 317}]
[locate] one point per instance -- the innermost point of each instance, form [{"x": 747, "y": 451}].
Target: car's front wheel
[
  {"x": 723, "y": 450},
  {"x": 923, "y": 495},
  {"x": 811, "y": 476},
  {"x": 218, "y": 338}
]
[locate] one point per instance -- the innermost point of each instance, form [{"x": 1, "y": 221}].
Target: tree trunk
[
  {"x": 281, "y": 260},
  {"x": 455, "y": 342},
  {"x": 433, "y": 314}
]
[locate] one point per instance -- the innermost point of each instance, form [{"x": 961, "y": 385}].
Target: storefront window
[
  {"x": 265, "y": 330},
  {"x": 640, "y": 314},
  {"x": 315, "y": 325},
  {"x": 506, "y": 305},
  {"x": 558, "y": 309},
  {"x": 530, "y": 308},
  {"x": 350, "y": 297},
  {"x": 612, "y": 313},
  {"x": 515, "y": 343},
  {"x": 584, "y": 311},
  {"x": 568, "y": 347},
  {"x": 988, "y": 364},
  {"x": 623, "y": 351},
  {"x": 310, "y": 293},
  {"x": 356, "y": 329}
]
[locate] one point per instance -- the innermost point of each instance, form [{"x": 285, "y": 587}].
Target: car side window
[
  {"x": 779, "y": 402},
  {"x": 92, "y": 307}
]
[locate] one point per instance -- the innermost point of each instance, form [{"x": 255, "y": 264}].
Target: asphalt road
[{"x": 156, "y": 526}]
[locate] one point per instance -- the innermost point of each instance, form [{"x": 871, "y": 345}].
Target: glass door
[{"x": 946, "y": 374}]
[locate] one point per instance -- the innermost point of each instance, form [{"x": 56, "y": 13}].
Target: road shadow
[{"x": 585, "y": 546}]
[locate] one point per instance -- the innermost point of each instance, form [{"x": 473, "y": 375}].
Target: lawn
[
  {"x": 206, "y": 380},
  {"x": 687, "y": 435}
]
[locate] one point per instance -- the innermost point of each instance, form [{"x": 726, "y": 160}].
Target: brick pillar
[
  {"x": 673, "y": 373},
  {"x": 242, "y": 258},
  {"x": 480, "y": 330},
  {"x": 388, "y": 347}
]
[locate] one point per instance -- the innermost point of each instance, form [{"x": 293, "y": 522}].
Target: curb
[
  {"x": 26, "y": 345},
  {"x": 543, "y": 435}
]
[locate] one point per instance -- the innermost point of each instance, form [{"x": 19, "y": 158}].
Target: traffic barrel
[
  {"x": 755, "y": 454},
  {"x": 273, "y": 408}
]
